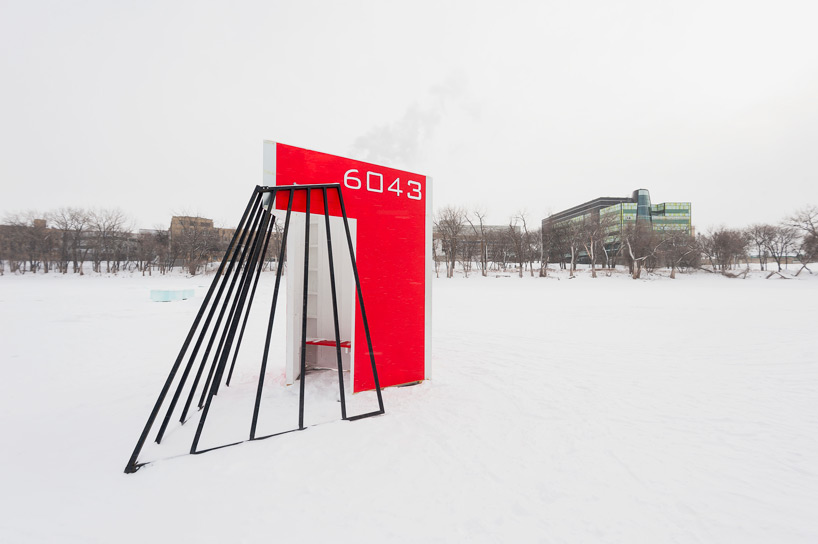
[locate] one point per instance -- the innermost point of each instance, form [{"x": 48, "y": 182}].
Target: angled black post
[
  {"x": 132, "y": 462},
  {"x": 230, "y": 331},
  {"x": 252, "y": 297},
  {"x": 334, "y": 307},
  {"x": 241, "y": 272},
  {"x": 304, "y": 313},
  {"x": 232, "y": 253},
  {"x": 263, "y": 371},
  {"x": 232, "y": 322},
  {"x": 235, "y": 263},
  {"x": 363, "y": 313}
]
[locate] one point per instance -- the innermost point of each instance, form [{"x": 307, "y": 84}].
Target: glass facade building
[{"x": 619, "y": 212}]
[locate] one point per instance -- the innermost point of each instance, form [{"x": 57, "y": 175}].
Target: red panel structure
[{"x": 393, "y": 253}]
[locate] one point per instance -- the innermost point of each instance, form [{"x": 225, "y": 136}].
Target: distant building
[
  {"x": 195, "y": 241},
  {"x": 619, "y": 212},
  {"x": 152, "y": 232},
  {"x": 184, "y": 225},
  {"x": 616, "y": 215}
]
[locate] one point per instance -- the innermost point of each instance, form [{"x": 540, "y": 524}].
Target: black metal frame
[{"x": 241, "y": 268}]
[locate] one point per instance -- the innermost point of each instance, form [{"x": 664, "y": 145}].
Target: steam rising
[{"x": 401, "y": 142}]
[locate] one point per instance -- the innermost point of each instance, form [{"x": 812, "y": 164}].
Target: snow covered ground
[{"x": 585, "y": 410}]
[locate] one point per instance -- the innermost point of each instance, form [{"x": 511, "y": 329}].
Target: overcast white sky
[{"x": 162, "y": 107}]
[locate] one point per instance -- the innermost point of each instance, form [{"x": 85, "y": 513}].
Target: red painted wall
[{"x": 390, "y": 207}]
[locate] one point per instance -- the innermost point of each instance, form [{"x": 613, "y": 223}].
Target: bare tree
[
  {"x": 611, "y": 238},
  {"x": 806, "y": 222},
  {"x": 679, "y": 249},
  {"x": 467, "y": 251},
  {"x": 591, "y": 235},
  {"x": 479, "y": 231},
  {"x": 807, "y": 251},
  {"x": 42, "y": 244},
  {"x": 524, "y": 242},
  {"x": 516, "y": 237},
  {"x": 642, "y": 243},
  {"x": 194, "y": 242},
  {"x": 146, "y": 251},
  {"x": 167, "y": 253},
  {"x": 573, "y": 238},
  {"x": 781, "y": 242},
  {"x": 11, "y": 244},
  {"x": 80, "y": 225},
  {"x": 555, "y": 242},
  {"x": 499, "y": 248},
  {"x": 437, "y": 255},
  {"x": 532, "y": 242},
  {"x": 723, "y": 247},
  {"x": 449, "y": 222},
  {"x": 61, "y": 223},
  {"x": 74, "y": 224},
  {"x": 28, "y": 242},
  {"x": 707, "y": 248},
  {"x": 546, "y": 244},
  {"x": 107, "y": 234},
  {"x": 274, "y": 247},
  {"x": 759, "y": 236}
]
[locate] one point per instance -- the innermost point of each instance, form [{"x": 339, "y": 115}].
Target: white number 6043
[{"x": 374, "y": 184}]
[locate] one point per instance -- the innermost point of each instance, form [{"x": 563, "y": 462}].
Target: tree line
[
  {"x": 64, "y": 240},
  {"x": 67, "y": 239},
  {"x": 462, "y": 238}
]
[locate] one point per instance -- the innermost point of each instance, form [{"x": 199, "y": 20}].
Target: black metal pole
[
  {"x": 238, "y": 260},
  {"x": 231, "y": 332},
  {"x": 334, "y": 307},
  {"x": 304, "y": 314},
  {"x": 361, "y": 301},
  {"x": 232, "y": 255},
  {"x": 234, "y": 317},
  {"x": 263, "y": 370},
  {"x": 244, "y": 267},
  {"x": 132, "y": 466},
  {"x": 252, "y": 297}
]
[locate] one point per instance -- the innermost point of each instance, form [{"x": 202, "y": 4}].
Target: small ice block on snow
[{"x": 164, "y": 295}]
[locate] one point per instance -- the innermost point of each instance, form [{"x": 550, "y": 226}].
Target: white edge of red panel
[
  {"x": 427, "y": 370},
  {"x": 269, "y": 164}
]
